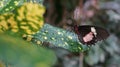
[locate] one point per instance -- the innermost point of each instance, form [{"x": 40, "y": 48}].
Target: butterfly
[{"x": 89, "y": 35}]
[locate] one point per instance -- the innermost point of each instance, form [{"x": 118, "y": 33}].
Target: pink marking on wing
[{"x": 88, "y": 37}]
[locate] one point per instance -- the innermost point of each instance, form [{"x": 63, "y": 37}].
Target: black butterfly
[{"x": 88, "y": 34}]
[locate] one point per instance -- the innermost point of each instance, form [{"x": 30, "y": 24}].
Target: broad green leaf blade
[
  {"x": 35, "y": 1},
  {"x": 60, "y": 38},
  {"x": 9, "y": 5},
  {"x": 18, "y": 53}
]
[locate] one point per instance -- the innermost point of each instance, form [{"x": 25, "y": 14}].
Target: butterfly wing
[
  {"x": 101, "y": 33},
  {"x": 83, "y": 30}
]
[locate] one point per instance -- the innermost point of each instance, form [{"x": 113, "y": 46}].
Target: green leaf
[
  {"x": 22, "y": 21},
  {"x": 9, "y": 5},
  {"x": 35, "y": 1},
  {"x": 60, "y": 38},
  {"x": 18, "y": 53}
]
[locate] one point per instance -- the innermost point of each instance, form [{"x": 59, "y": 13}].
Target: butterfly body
[{"x": 88, "y": 34}]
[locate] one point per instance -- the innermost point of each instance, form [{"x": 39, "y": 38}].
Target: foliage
[
  {"x": 15, "y": 52},
  {"x": 28, "y": 19},
  {"x": 59, "y": 13},
  {"x": 104, "y": 13},
  {"x": 23, "y": 21},
  {"x": 60, "y": 38},
  {"x": 9, "y": 5}
]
